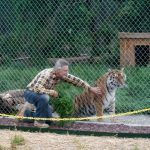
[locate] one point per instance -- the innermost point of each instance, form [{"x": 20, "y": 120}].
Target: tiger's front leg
[
  {"x": 99, "y": 111},
  {"x": 112, "y": 113},
  {"x": 112, "y": 117}
]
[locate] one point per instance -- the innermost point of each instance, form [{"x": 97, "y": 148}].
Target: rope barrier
[{"x": 79, "y": 119}]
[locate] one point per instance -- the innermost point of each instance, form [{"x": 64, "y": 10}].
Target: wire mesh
[{"x": 92, "y": 35}]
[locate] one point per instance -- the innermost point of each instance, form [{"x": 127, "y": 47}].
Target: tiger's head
[{"x": 116, "y": 79}]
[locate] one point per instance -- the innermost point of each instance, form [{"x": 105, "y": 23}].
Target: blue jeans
[{"x": 41, "y": 102}]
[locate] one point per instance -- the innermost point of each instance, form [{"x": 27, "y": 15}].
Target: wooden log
[{"x": 10, "y": 99}]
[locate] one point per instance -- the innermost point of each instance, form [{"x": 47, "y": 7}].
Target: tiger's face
[{"x": 116, "y": 79}]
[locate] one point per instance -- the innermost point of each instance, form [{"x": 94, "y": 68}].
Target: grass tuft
[{"x": 17, "y": 140}]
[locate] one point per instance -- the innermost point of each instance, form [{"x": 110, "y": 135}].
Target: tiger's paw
[
  {"x": 114, "y": 119},
  {"x": 100, "y": 120}
]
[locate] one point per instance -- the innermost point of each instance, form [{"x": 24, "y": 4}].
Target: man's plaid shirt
[{"x": 46, "y": 80}]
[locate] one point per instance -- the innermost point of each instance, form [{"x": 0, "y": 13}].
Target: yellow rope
[{"x": 73, "y": 119}]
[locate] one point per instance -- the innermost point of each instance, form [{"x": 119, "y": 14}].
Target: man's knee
[{"x": 44, "y": 99}]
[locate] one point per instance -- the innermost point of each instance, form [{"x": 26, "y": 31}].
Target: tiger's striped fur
[{"x": 88, "y": 104}]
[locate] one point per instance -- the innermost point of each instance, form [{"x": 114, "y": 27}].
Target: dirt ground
[
  {"x": 133, "y": 119},
  {"x": 53, "y": 141}
]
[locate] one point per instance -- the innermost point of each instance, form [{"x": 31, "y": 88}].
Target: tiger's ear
[{"x": 122, "y": 69}]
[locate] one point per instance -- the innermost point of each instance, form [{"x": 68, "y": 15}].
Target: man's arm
[
  {"x": 42, "y": 89},
  {"x": 79, "y": 82},
  {"x": 76, "y": 81}
]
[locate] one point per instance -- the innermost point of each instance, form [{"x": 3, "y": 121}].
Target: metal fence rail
[{"x": 92, "y": 35}]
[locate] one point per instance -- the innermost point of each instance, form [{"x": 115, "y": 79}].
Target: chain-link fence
[{"x": 93, "y": 35}]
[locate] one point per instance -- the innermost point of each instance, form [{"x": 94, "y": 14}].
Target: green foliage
[
  {"x": 132, "y": 17},
  {"x": 64, "y": 103},
  {"x": 103, "y": 40},
  {"x": 71, "y": 30},
  {"x": 17, "y": 140},
  {"x": 43, "y": 29},
  {"x": 64, "y": 106}
]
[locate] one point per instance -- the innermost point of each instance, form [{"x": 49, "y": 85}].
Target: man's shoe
[{"x": 40, "y": 125}]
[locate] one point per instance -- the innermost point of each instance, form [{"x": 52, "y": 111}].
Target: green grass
[
  {"x": 135, "y": 96},
  {"x": 17, "y": 140}
]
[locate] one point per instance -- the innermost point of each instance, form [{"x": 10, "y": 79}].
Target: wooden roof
[{"x": 126, "y": 35}]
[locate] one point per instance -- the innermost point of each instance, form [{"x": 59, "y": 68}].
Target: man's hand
[
  {"x": 54, "y": 93},
  {"x": 96, "y": 90}
]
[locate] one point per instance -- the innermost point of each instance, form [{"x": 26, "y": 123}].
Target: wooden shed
[{"x": 134, "y": 49}]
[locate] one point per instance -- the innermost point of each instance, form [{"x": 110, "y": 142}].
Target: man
[{"x": 41, "y": 89}]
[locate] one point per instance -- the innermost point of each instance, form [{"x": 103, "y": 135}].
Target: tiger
[{"x": 88, "y": 104}]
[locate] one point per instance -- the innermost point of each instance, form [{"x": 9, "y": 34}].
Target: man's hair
[{"x": 61, "y": 63}]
